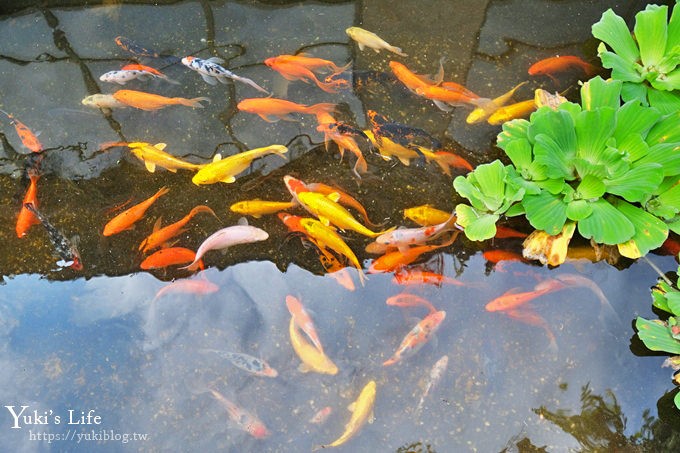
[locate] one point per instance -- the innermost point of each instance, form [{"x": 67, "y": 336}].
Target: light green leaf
[
  {"x": 557, "y": 160},
  {"x": 590, "y": 187},
  {"x": 633, "y": 147},
  {"x": 666, "y": 130},
  {"x": 665, "y": 154},
  {"x": 545, "y": 212},
  {"x": 578, "y": 209},
  {"x": 667, "y": 204},
  {"x": 519, "y": 152},
  {"x": 594, "y": 128},
  {"x": 622, "y": 69},
  {"x": 465, "y": 215},
  {"x": 650, "y": 232},
  {"x": 673, "y": 34},
  {"x": 673, "y": 299},
  {"x": 633, "y": 118},
  {"x": 674, "y": 225},
  {"x": 491, "y": 181},
  {"x": 667, "y": 82},
  {"x": 557, "y": 124},
  {"x": 512, "y": 130},
  {"x": 634, "y": 92},
  {"x": 465, "y": 188},
  {"x": 606, "y": 224},
  {"x": 478, "y": 226},
  {"x": 650, "y": 33},
  {"x": 612, "y": 29},
  {"x": 585, "y": 168},
  {"x": 664, "y": 101},
  {"x": 554, "y": 186},
  {"x": 597, "y": 92},
  {"x": 656, "y": 336},
  {"x": 637, "y": 183}
]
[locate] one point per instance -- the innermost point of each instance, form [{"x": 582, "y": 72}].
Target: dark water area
[{"x": 76, "y": 344}]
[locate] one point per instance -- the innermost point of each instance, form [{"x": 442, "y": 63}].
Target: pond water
[{"x": 99, "y": 342}]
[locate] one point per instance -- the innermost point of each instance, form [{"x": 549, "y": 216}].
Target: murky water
[{"x": 99, "y": 343}]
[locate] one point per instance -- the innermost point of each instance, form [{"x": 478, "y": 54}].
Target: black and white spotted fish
[
  {"x": 211, "y": 71},
  {"x": 247, "y": 363},
  {"x": 66, "y": 249}
]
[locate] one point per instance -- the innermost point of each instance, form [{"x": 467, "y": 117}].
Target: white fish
[
  {"x": 122, "y": 77},
  {"x": 365, "y": 38},
  {"x": 103, "y": 101},
  {"x": 226, "y": 237},
  {"x": 211, "y": 71},
  {"x": 436, "y": 374}
]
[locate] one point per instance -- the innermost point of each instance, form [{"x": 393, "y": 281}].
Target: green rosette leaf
[
  {"x": 578, "y": 210},
  {"x": 634, "y": 92},
  {"x": 650, "y": 232},
  {"x": 557, "y": 161},
  {"x": 491, "y": 181},
  {"x": 606, "y": 224},
  {"x": 512, "y": 130},
  {"x": 519, "y": 152},
  {"x": 665, "y": 154},
  {"x": 590, "y": 187},
  {"x": 597, "y": 92},
  {"x": 594, "y": 129},
  {"x": 650, "y": 33},
  {"x": 664, "y": 101},
  {"x": 612, "y": 29},
  {"x": 673, "y": 32},
  {"x": 465, "y": 188},
  {"x": 557, "y": 124},
  {"x": 666, "y": 130},
  {"x": 622, "y": 69},
  {"x": 667, "y": 82},
  {"x": 546, "y": 212},
  {"x": 478, "y": 226},
  {"x": 667, "y": 204},
  {"x": 655, "y": 336},
  {"x": 632, "y": 118},
  {"x": 637, "y": 183},
  {"x": 659, "y": 295},
  {"x": 673, "y": 300},
  {"x": 633, "y": 147}
]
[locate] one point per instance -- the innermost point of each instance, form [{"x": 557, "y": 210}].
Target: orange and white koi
[
  {"x": 149, "y": 101},
  {"x": 362, "y": 412},
  {"x": 170, "y": 256},
  {"x": 549, "y": 66},
  {"x": 244, "y": 420},
  {"x": 257, "y": 208},
  {"x": 410, "y": 300},
  {"x": 227, "y": 237},
  {"x": 511, "y": 112},
  {"x": 162, "y": 235},
  {"x": 417, "y": 337},
  {"x": 292, "y": 72},
  {"x": 436, "y": 373},
  {"x": 155, "y": 155},
  {"x": 211, "y": 72},
  {"x": 512, "y": 298},
  {"x": 365, "y": 38},
  {"x": 27, "y": 137},
  {"x": 126, "y": 219},
  {"x": 225, "y": 170},
  {"x": 404, "y": 237},
  {"x": 303, "y": 320},
  {"x": 26, "y": 218},
  {"x": 272, "y": 109},
  {"x": 426, "y": 215},
  {"x": 312, "y": 358},
  {"x": 123, "y": 76}
]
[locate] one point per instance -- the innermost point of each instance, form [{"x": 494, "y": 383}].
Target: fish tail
[
  {"x": 195, "y": 102},
  {"x": 361, "y": 166},
  {"x": 321, "y": 108},
  {"x": 446, "y": 160},
  {"x": 162, "y": 191},
  {"x": 398, "y": 51},
  {"x": 339, "y": 70},
  {"x": 202, "y": 208}
]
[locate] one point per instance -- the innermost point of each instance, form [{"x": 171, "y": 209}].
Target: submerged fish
[
  {"x": 66, "y": 249},
  {"x": 303, "y": 320},
  {"x": 436, "y": 374},
  {"x": 211, "y": 72},
  {"x": 244, "y": 420},
  {"x": 246, "y": 362},
  {"x": 27, "y": 137},
  {"x": 26, "y": 218},
  {"x": 126, "y": 219},
  {"x": 417, "y": 337},
  {"x": 312, "y": 358}
]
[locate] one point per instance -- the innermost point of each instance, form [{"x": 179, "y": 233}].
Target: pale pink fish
[
  {"x": 321, "y": 416},
  {"x": 187, "y": 286},
  {"x": 417, "y": 337},
  {"x": 404, "y": 237},
  {"x": 303, "y": 320},
  {"x": 226, "y": 237},
  {"x": 243, "y": 419},
  {"x": 607, "y": 313},
  {"x": 436, "y": 374}
]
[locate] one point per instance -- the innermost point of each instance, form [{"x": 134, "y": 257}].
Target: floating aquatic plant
[
  {"x": 611, "y": 169},
  {"x": 660, "y": 335},
  {"x": 647, "y": 60}
]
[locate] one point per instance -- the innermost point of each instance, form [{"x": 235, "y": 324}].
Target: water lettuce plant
[
  {"x": 610, "y": 168},
  {"x": 660, "y": 335},
  {"x": 647, "y": 60}
]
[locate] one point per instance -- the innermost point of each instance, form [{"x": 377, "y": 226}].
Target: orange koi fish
[
  {"x": 396, "y": 259},
  {"x": 411, "y": 80},
  {"x": 671, "y": 246},
  {"x": 503, "y": 232},
  {"x": 292, "y": 72},
  {"x": 26, "y": 218},
  {"x": 527, "y": 316},
  {"x": 410, "y": 300},
  {"x": 27, "y": 137},
  {"x": 343, "y": 142},
  {"x": 292, "y": 222},
  {"x": 243, "y": 419},
  {"x": 496, "y": 256},
  {"x": 445, "y": 99},
  {"x": 417, "y": 337},
  {"x": 150, "y": 101},
  {"x": 303, "y": 320},
  {"x": 560, "y": 63},
  {"x": 512, "y": 299},
  {"x": 162, "y": 235},
  {"x": 420, "y": 277},
  {"x": 127, "y": 218},
  {"x": 170, "y": 256},
  {"x": 311, "y": 63},
  {"x": 272, "y": 109},
  {"x": 426, "y": 215},
  {"x": 511, "y": 112}
]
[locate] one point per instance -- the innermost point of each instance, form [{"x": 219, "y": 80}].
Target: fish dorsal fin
[
  {"x": 514, "y": 290},
  {"x": 228, "y": 179},
  {"x": 352, "y": 406},
  {"x": 371, "y": 418},
  {"x": 217, "y": 157},
  {"x": 216, "y": 60},
  {"x": 334, "y": 196},
  {"x": 157, "y": 224},
  {"x": 160, "y": 146},
  {"x": 242, "y": 221},
  {"x": 324, "y": 220},
  {"x": 304, "y": 368},
  {"x": 150, "y": 166}
]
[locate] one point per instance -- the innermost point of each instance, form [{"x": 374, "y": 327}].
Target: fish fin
[
  {"x": 361, "y": 46},
  {"x": 172, "y": 170},
  {"x": 334, "y": 196},
  {"x": 216, "y": 60},
  {"x": 217, "y": 157},
  {"x": 404, "y": 161},
  {"x": 304, "y": 368},
  {"x": 442, "y": 106},
  {"x": 352, "y": 406},
  {"x": 242, "y": 221},
  {"x": 324, "y": 220},
  {"x": 150, "y": 166},
  {"x": 209, "y": 80},
  {"x": 157, "y": 224},
  {"x": 160, "y": 146},
  {"x": 228, "y": 179}
]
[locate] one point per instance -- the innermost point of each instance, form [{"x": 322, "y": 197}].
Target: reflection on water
[{"x": 101, "y": 342}]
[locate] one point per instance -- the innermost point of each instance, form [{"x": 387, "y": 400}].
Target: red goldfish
[
  {"x": 559, "y": 63},
  {"x": 127, "y": 218},
  {"x": 311, "y": 63},
  {"x": 503, "y": 232},
  {"x": 417, "y": 337},
  {"x": 27, "y": 137},
  {"x": 26, "y": 217},
  {"x": 512, "y": 299},
  {"x": 163, "y": 235},
  {"x": 392, "y": 261},
  {"x": 292, "y": 71},
  {"x": 411, "y": 80},
  {"x": 420, "y": 277},
  {"x": 168, "y": 257},
  {"x": 410, "y": 300}
]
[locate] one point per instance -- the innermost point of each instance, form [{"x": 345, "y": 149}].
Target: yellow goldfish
[
  {"x": 426, "y": 215},
  {"x": 365, "y": 38},
  {"x": 326, "y": 237},
  {"x": 312, "y": 358},
  {"x": 512, "y": 111},
  {"x": 257, "y": 207},
  {"x": 362, "y": 411},
  {"x": 328, "y": 211},
  {"x": 481, "y": 113},
  {"x": 225, "y": 170},
  {"x": 154, "y": 155}
]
